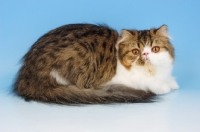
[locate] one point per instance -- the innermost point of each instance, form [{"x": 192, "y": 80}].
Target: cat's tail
[{"x": 105, "y": 94}]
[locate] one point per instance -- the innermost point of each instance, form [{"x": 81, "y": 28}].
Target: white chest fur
[{"x": 139, "y": 77}]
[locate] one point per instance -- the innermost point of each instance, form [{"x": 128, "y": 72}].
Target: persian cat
[{"x": 88, "y": 64}]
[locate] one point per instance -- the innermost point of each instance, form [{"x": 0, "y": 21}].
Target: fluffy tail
[{"x": 106, "y": 94}]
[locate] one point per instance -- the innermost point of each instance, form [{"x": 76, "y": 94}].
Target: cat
[{"x": 91, "y": 64}]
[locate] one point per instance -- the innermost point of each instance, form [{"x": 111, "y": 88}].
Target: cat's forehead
[
  {"x": 141, "y": 38},
  {"x": 144, "y": 37}
]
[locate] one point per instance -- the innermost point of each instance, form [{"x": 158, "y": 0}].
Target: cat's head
[{"x": 144, "y": 47}]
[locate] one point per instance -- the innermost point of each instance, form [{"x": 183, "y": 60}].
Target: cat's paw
[
  {"x": 163, "y": 89},
  {"x": 173, "y": 84}
]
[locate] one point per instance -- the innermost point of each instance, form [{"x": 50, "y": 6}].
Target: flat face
[{"x": 144, "y": 47}]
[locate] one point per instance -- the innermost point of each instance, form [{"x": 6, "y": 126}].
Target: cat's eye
[
  {"x": 155, "y": 49},
  {"x": 135, "y": 51}
]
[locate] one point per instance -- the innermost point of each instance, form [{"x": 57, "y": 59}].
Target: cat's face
[{"x": 140, "y": 48}]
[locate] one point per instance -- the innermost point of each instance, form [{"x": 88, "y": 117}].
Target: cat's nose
[{"x": 145, "y": 53}]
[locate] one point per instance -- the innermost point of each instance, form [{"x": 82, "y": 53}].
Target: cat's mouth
[
  {"x": 146, "y": 59},
  {"x": 143, "y": 61}
]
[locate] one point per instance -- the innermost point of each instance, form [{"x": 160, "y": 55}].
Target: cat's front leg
[
  {"x": 173, "y": 84},
  {"x": 160, "y": 88}
]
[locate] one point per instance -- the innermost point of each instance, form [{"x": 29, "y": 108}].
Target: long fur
[{"x": 106, "y": 94}]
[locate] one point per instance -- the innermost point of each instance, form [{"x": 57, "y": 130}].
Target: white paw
[
  {"x": 173, "y": 84},
  {"x": 162, "y": 89}
]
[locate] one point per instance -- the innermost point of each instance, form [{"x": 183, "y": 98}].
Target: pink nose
[{"x": 146, "y": 53}]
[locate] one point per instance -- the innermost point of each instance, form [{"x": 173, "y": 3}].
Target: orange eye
[
  {"x": 135, "y": 51},
  {"x": 155, "y": 49}
]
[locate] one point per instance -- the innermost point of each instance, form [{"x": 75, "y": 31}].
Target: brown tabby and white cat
[{"x": 85, "y": 63}]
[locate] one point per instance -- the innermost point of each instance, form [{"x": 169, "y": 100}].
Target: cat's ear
[
  {"x": 125, "y": 35},
  {"x": 163, "y": 31}
]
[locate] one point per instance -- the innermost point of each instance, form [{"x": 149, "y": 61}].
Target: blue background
[{"x": 22, "y": 22}]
